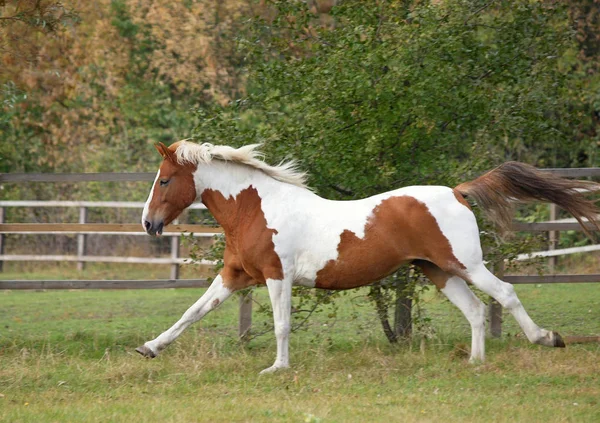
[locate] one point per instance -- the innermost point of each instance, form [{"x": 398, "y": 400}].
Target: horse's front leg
[
  {"x": 280, "y": 292},
  {"x": 212, "y": 298}
]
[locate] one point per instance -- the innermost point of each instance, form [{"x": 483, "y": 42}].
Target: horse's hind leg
[
  {"x": 462, "y": 297},
  {"x": 505, "y": 294}
]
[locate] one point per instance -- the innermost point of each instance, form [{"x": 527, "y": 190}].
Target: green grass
[{"x": 68, "y": 356}]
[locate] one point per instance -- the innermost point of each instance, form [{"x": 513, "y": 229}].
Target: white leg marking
[
  {"x": 462, "y": 297},
  {"x": 280, "y": 292},
  {"x": 212, "y": 298},
  {"x": 505, "y": 294}
]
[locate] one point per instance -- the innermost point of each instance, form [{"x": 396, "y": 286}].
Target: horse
[{"x": 279, "y": 233}]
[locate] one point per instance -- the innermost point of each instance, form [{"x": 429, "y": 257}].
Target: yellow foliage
[{"x": 77, "y": 75}]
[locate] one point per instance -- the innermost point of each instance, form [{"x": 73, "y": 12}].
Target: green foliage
[
  {"x": 122, "y": 20},
  {"x": 213, "y": 252},
  {"x": 406, "y": 93},
  {"x": 400, "y": 93}
]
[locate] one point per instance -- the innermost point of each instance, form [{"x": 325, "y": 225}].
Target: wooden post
[
  {"x": 81, "y": 238},
  {"x": 552, "y": 238},
  {"x": 175, "y": 255},
  {"x": 494, "y": 308},
  {"x": 1, "y": 239},
  {"x": 245, "y": 322}
]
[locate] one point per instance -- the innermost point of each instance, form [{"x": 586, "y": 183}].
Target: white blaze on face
[{"x": 149, "y": 200}]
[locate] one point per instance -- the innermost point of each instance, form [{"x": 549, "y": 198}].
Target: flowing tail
[{"x": 497, "y": 191}]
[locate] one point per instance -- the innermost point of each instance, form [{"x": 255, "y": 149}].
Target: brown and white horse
[{"x": 280, "y": 233}]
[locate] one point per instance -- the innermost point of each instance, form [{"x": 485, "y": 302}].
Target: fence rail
[
  {"x": 102, "y": 228},
  {"x": 529, "y": 279},
  {"x": 102, "y": 259},
  {"x": 149, "y": 176},
  {"x": 104, "y": 284},
  {"x": 82, "y": 229},
  {"x": 78, "y": 177}
]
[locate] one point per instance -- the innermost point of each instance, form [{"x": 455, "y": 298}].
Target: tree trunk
[
  {"x": 382, "y": 313},
  {"x": 402, "y": 328},
  {"x": 403, "y": 311}
]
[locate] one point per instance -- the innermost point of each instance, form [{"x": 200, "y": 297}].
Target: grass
[{"x": 68, "y": 356}]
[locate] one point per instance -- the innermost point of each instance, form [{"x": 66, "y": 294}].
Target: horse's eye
[{"x": 164, "y": 182}]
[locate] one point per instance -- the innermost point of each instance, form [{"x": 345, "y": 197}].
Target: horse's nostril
[{"x": 147, "y": 224}]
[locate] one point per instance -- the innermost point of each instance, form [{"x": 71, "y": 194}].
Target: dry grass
[{"x": 371, "y": 383}]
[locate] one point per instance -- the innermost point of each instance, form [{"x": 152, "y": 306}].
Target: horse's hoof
[
  {"x": 145, "y": 351},
  {"x": 273, "y": 369},
  {"x": 558, "y": 341}
]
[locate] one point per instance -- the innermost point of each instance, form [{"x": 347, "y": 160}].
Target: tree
[
  {"x": 404, "y": 93},
  {"x": 79, "y": 88}
]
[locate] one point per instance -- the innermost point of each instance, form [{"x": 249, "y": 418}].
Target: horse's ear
[
  {"x": 164, "y": 151},
  {"x": 159, "y": 147}
]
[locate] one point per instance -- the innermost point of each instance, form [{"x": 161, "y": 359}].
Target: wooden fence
[{"x": 83, "y": 228}]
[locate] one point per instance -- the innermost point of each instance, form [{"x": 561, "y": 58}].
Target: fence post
[
  {"x": 552, "y": 238},
  {"x": 245, "y": 322},
  {"x": 1, "y": 239},
  {"x": 81, "y": 238},
  {"x": 175, "y": 254},
  {"x": 494, "y": 308}
]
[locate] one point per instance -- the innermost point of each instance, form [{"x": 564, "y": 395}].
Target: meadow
[{"x": 69, "y": 356}]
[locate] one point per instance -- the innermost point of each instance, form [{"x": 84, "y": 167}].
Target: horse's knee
[
  {"x": 479, "y": 313},
  {"x": 282, "y": 329},
  {"x": 503, "y": 292},
  {"x": 508, "y": 298}
]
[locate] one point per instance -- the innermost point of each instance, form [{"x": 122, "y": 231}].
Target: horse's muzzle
[{"x": 153, "y": 228}]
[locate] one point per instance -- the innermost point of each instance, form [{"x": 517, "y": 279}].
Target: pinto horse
[{"x": 279, "y": 233}]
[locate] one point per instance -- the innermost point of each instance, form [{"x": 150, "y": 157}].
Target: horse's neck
[
  {"x": 232, "y": 192},
  {"x": 229, "y": 178}
]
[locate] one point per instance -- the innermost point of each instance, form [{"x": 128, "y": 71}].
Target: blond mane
[{"x": 189, "y": 152}]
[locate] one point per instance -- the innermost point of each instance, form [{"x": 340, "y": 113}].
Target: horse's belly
[
  {"x": 362, "y": 261},
  {"x": 345, "y": 275},
  {"x": 399, "y": 230}
]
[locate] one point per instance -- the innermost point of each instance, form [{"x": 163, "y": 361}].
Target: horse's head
[{"x": 173, "y": 191}]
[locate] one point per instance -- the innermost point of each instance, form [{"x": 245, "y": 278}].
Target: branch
[
  {"x": 298, "y": 325},
  {"x": 351, "y": 125},
  {"x": 311, "y": 311},
  {"x": 485, "y": 6},
  {"x": 382, "y": 314},
  {"x": 341, "y": 190}
]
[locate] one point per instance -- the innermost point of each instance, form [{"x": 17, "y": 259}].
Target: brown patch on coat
[
  {"x": 215, "y": 303},
  {"x": 400, "y": 230},
  {"x": 250, "y": 256},
  {"x": 170, "y": 200},
  {"x": 436, "y": 275},
  {"x": 459, "y": 197}
]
